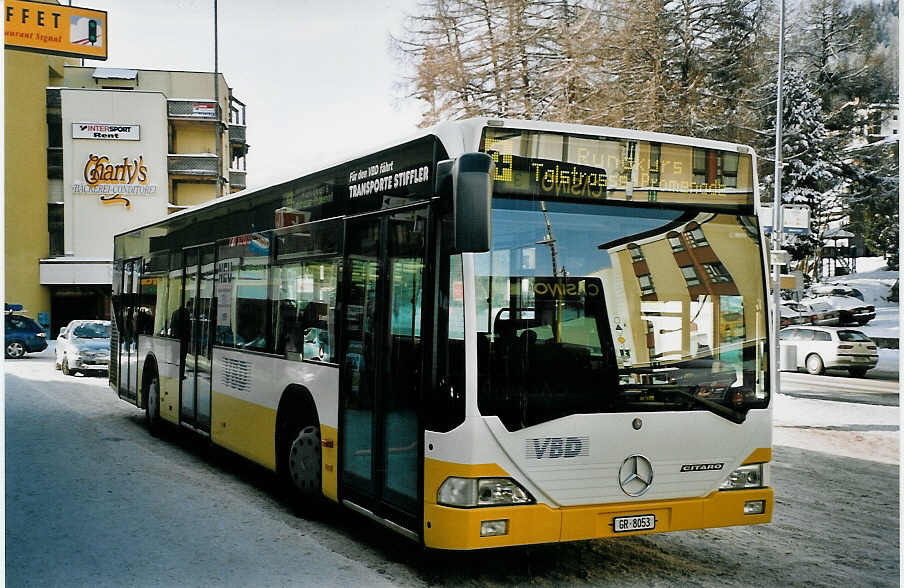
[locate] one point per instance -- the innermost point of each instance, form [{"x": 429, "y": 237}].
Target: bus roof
[{"x": 462, "y": 136}]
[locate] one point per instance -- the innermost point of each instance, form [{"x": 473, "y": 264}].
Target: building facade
[{"x": 92, "y": 152}]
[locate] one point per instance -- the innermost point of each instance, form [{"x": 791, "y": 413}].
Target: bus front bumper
[{"x": 460, "y": 529}]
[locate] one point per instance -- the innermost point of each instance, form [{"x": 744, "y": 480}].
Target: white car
[
  {"x": 84, "y": 346},
  {"x": 819, "y": 348}
]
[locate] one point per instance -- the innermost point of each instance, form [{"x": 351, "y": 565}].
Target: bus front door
[
  {"x": 128, "y": 350},
  {"x": 197, "y": 341},
  {"x": 382, "y": 364}
]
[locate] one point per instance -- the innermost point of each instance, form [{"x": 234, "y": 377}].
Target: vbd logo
[{"x": 556, "y": 447}]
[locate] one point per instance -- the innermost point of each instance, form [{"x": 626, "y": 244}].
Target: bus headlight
[
  {"x": 748, "y": 476},
  {"x": 471, "y": 492}
]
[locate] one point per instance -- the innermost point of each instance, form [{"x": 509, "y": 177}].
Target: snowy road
[
  {"x": 841, "y": 388},
  {"x": 93, "y": 500}
]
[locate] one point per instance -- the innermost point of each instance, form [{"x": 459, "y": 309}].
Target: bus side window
[
  {"x": 303, "y": 285},
  {"x": 304, "y": 313}
]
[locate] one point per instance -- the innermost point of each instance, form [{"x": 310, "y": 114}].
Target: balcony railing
[
  {"x": 237, "y": 179},
  {"x": 193, "y": 109},
  {"x": 237, "y": 134},
  {"x": 192, "y": 165}
]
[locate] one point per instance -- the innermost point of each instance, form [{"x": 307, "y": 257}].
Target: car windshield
[
  {"x": 585, "y": 308},
  {"x": 92, "y": 331},
  {"x": 855, "y": 336}
]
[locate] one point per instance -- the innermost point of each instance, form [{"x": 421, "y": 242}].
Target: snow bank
[
  {"x": 889, "y": 360},
  {"x": 885, "y": 324},
  {"x": 855, "y": 430},
  {"x": 875, "y": 280}
]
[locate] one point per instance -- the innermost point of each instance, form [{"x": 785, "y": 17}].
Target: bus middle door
[{"x": 197, "y": 339}]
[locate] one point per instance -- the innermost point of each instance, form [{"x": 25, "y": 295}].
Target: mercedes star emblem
[{"x": 635, "y": 475}]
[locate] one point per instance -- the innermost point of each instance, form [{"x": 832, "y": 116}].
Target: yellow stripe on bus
[
  {"x": 244, "y": 427},
  {"x": 761, "y": 455}
]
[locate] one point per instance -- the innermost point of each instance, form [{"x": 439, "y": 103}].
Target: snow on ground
[
  {"x": 875, "y": 280},
  {"x": 849, "y": 429},
  {"x": 889, "y": 360},
  {"x": 886, "y": 323}
]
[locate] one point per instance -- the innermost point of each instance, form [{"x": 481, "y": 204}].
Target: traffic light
[{"x": 92, "y": 31}]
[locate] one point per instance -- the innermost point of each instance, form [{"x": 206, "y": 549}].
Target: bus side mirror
[{"x": 472, "y": 191}]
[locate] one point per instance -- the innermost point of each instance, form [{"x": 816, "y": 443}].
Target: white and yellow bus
[{"x": 495, "y": 333}]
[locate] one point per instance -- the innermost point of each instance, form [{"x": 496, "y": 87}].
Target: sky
[{"x": 318, "y": 77}]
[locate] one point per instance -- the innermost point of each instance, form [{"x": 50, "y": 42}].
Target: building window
[
  {"x": 700, "y": 167},
  {"x": 646, "y": 284},
  {"x": 55, "y": 228},
  {"x": 690, "y": 275},
  {"x": 676, "y": 242},
  {"x": 696, "y": 237},
  {"x": 730, "y": 170},
  {"x": 717, "y": 272},
  {"x": 655, "y": 156},
  {"x": 636, "y": 253}
]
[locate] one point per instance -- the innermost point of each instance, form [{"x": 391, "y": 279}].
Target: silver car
[
  {"x": 84, "y": 346},
  {"x": 819, "y": 348}
]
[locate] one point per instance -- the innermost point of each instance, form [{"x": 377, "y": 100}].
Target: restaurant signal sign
[{"x": 58, "y": 30}]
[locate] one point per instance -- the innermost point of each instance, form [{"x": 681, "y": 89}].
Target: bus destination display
[{"x": 559, "y": 166}]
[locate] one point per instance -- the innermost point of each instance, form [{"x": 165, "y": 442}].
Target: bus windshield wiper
[
  {"x": 731, "y": 414},
  {"x": 690, "y": 393}
]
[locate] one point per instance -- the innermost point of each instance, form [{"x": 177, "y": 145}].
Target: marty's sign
[{"x": 113, "y": 181}]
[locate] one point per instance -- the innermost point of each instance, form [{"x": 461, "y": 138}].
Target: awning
[
  {"x": 112, "y": 73},
  {"x": 837, "y": 234}
]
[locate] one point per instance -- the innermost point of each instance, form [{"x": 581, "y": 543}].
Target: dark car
[{"x": 23, "y": 335}]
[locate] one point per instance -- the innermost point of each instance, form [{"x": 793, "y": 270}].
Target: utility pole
[
  {"x": 216, "y": 99},
  {"x": 777, "y": 211}
]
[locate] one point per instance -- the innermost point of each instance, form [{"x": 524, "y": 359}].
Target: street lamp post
[
  {"x": 777, "y": 209},
  {"x": 216, "y": 99}
]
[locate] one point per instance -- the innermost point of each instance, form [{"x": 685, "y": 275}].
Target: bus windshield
[{"x": 589, "y": 308}]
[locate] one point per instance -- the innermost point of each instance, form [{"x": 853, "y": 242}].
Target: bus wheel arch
[
  {"x": 298, "y": 448},
  {"x": 150, "y": 395}
]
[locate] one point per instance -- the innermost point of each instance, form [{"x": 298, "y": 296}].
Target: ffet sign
[{"x": 55, "y": 29}]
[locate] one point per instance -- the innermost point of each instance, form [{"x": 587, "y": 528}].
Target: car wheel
[
  {"x": 15, "y": 349},
  {"x": 857, "y": 372},
  {"x": 66, "y": 370},
  {"x": 152, "y": 408},
  {"x": 815, "y": 365}
]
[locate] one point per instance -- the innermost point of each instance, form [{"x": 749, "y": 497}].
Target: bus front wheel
[
  {"x": 304, "y": 462},
  {"x": 152, "y": 407}
]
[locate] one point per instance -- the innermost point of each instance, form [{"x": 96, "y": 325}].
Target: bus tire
[
  {"x": 304, "y": 463},
  {"x": 152, "y": 406},
  {"x": 298, "y": 450}
]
